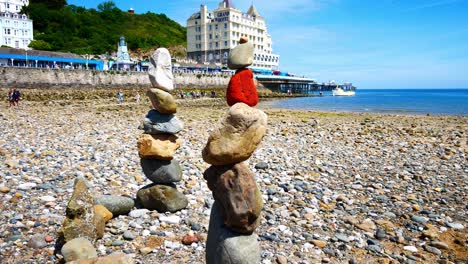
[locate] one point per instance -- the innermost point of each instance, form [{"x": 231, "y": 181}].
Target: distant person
[
  {"x": 120, "y": 97},
  {"x": 137, "y": 97},
  {"x": 11, "y": 101},
  {"x": 15, "y": 97}
]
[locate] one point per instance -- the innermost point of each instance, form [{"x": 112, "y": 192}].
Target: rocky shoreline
[{"x": 337, "y": 187}]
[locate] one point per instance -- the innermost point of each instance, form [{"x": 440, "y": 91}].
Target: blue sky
[{"x": 372, "y": 43}]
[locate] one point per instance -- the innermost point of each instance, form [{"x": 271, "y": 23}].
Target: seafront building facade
[
  {"x": 16, "y": 30},
  {"x": 211, "y": 34}
]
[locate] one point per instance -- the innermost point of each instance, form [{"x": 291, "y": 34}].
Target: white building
[
  {"x": 16, "y": 30},
  {"x": 210, "y": 35}
]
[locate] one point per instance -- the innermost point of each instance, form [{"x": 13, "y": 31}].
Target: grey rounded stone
[
  {"x": 241, "y": 56},
  {"x": 261, "y": 166},
  {"x": 162, "y": 198},
  {"x": 117, "y": 205},
  {"x": 128, "y": 235},
  {"x": 78, "y": 248},
  {"x": 37, "y": 241},
  {"x": 227, "y": 247},
  {"x": 158, "y": 123},
  {"x": 162, "y": 171}
]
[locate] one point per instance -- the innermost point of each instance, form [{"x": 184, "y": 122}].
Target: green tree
[
  {"x": 40, "y": 45},
  {"x": 97, "y": 31}
]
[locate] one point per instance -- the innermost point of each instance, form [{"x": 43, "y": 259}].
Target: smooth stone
[
  {"x": 128, "y": 235},
  {"x": 162, "y": 101},
  {"x": 228, "y": 247},
  {"x": 380, "y": 234},
  {"x": 162, "y": 171},
  {"x": 432, "y": 250},
  {"x": 238, "y": 136},
  {"x": 4, "y": 189},
  {"x": 78, "y": 248},
  {"x": 236, "y": 192},
  {"x": 114, "y": 258},
  {"x": 37, "y": 241},
  {"x": 138, "y": 213},
  {"x": 102, "y": 210},
  {"x": 410, "y": 248},
  {"x": 117, "y": 205},
  {"x": 439, "y": 245},
  {"x": 455, "y": 225},
  {"x": 81, "y": 219},
  {"x": 160, "y": 70},
  {"x": 261, "y": 166},
  {"x": 162, "y": 198},
  {"x": 241, "y": 56},
  {"x": 117, "y": 243},
  {"x": 161, "y": 146},
  {"x": 419, "y": 219},
  {"x": 241, "y": 89},
  {"x": 172, "y": 219},
  {"x": 342, "y": 237},
  {"x": 26, "y": 186},
  {"x": 159, "y": 123},
  {"x": 47, "y": 198}
]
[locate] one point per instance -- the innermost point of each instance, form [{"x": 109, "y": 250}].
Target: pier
[{"x": 297, "y": 85}]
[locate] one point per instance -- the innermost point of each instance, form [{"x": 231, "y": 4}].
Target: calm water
[{"x": 399, "y": 101}]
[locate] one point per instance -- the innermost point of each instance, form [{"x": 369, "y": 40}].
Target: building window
[
  {"x": 7, "y": 31},
  {"x": 210, "y": 27},
  {"x": 216, "y": 27},
  {"x": 225, "y": 25},
  {"x": 216, "y": 44},
  {"x": 211, "y": 36},
  {"x": 225, "y": 43}
]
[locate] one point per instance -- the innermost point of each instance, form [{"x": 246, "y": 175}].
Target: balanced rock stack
[
  {"x": 159, "y": 142},
  {"x": 238, "y": 202}
]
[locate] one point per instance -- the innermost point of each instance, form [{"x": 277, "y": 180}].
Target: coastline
[{"x": 334, "y": 180}]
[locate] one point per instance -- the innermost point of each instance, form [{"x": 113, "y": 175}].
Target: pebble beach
[{"x": 337, "y": 187}]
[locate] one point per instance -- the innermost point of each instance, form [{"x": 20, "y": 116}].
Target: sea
[{"x": 391, "y": 101}]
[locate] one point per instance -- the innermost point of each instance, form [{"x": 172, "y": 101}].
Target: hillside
[{"x": 69, "y": 28}]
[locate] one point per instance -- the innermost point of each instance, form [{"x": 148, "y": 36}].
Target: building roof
[{"x": 253, "y": 11}]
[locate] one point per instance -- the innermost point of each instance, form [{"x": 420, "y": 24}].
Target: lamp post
[{"x": 26, "y": 52}]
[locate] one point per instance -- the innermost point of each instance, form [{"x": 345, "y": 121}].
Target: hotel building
[
  {"x": 16, "y": 30},
  {"x": 210, "y": 35}
]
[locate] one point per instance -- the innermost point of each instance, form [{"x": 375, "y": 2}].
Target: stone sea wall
[{"x": 45, "y": 78}]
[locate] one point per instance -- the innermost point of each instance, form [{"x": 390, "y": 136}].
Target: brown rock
[
  {"x": 238, "y": 136},
  {"x": 243, "y": 40},
  {"x": 161, "y": 146},
  {"x": 4, "y": 189},
  {"x": 101, "y": 210},
  {"x": 319, "y": 243},
  {"x": 162, "y": 101},
  {"x": 190, "y": 238},
  {"x": 115, "y": 258},
  {"x": 235, "y": 189},
  {"x": 81, "y": 221}
]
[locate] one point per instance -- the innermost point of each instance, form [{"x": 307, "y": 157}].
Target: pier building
[
  {"x": 16, "y": 29},
  {"x": 211, "y": 34}
]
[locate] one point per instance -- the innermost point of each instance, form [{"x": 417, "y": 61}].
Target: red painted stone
[{"x": 241, "y": 88}]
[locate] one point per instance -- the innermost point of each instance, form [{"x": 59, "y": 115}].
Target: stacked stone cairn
[
  {"x": 158, "y": 143},
  {"x": 238, "y": 202}
]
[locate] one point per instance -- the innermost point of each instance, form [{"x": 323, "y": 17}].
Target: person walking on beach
[
  {"x": 10, "y": 97},
  {"x": 120, "y": 97},
  {"x": 137, "y": 97},
  {"x": 16, "y": 96}
]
